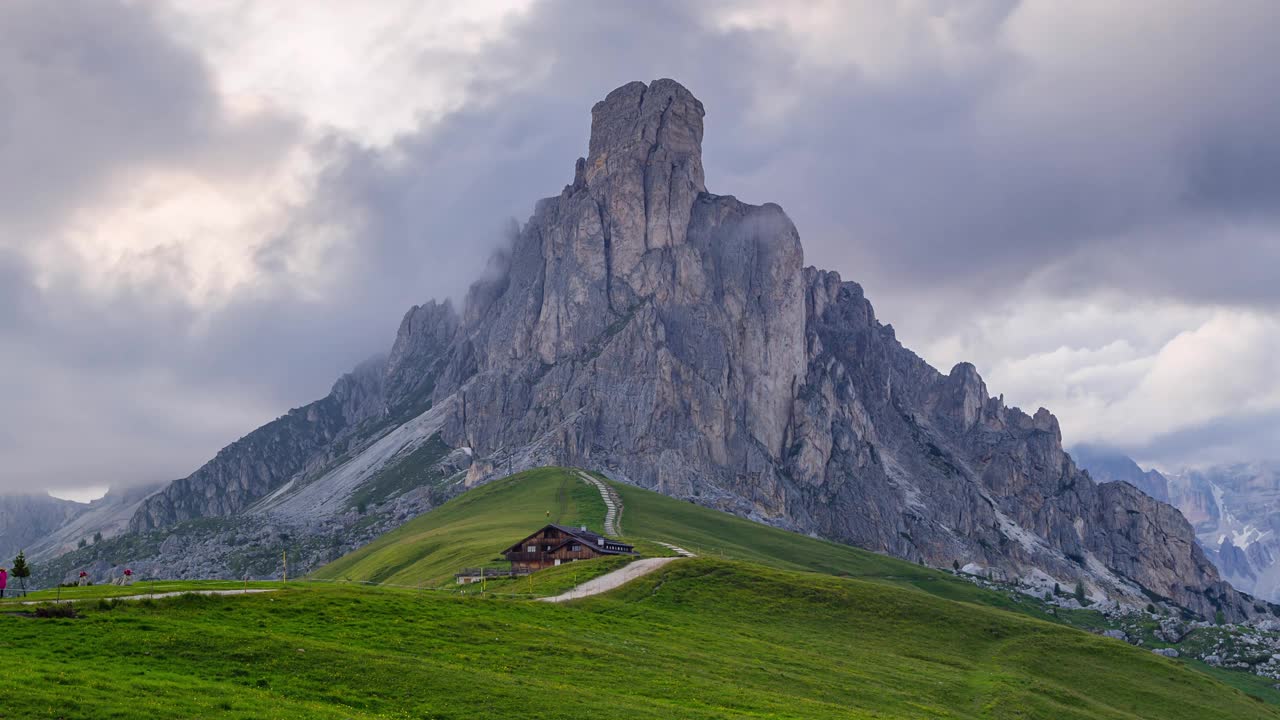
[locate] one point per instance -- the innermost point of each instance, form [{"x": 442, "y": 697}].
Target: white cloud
[
  {"x": 212, "y": 209},
  {"x": 1123, "y": 374},
  {"x": 370, "y": 70}
]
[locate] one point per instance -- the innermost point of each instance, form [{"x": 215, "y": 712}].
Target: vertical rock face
[
  {"x": 642, "y": 320},
  {"x": 645, "y": 327},
  {"x": 644, "y": 171},
  {"x": 424, "y": 336}
]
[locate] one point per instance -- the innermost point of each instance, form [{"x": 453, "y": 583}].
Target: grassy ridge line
[
  {"x": 472, "y": 529},
  {"x": 718, "y": 534},
  {"x": 701, "y": 638}
]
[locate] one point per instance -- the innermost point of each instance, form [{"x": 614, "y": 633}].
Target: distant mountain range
[
  {"x": 672, "y": 338},
  {"x": 1234, "y": 509},
  {"x": 44, "y": 527},
  {"x": 26, "y": 519}
]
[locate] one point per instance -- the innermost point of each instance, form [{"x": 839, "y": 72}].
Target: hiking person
[
  {"x": 4, "y": 580},
  {"x": 128, "y": 576},
  {"x": 84, "y": 578}
]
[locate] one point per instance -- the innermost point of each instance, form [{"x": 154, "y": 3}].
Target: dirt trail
[
  {"x": 612, "y": 580},
  {"x": 612, "y": 504},
  {"x": 621, "y": 576},
  {"x": 157, "y": 596},
  {"x": 676, "y": 549}
]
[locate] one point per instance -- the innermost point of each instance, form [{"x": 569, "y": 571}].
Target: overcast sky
[{"x": 209, "y": 210}]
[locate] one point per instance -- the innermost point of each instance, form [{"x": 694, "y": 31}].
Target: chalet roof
[
  {"x": 582, "y": 534},
  {"x": 599, "y": 543}
]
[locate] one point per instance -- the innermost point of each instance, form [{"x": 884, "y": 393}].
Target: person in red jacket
[{"x": 4, "y": 580}]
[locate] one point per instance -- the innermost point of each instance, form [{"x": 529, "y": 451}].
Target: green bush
[{"x": 56, "y": 610}]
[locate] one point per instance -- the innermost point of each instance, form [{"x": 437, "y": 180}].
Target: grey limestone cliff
[{"x": 672, "y": 338}]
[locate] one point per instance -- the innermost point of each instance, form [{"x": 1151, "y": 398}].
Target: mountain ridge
[{"x": 673, "y": 338}]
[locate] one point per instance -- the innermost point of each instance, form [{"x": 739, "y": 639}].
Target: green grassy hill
[
  {"x": 765, "y": 624},
  {"x": 472, "y": 529},
  {"x": 704, "y": 638}
]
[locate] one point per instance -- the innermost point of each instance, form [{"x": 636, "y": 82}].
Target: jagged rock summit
[{"x": 644, "y": 327}]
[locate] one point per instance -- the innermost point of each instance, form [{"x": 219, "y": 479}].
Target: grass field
[
  {"x": 472, "y": 529},
  {"x": 701, "y": 638},
  {"x": 765, "y": 624},
  {"x": 147, "y": 587}
]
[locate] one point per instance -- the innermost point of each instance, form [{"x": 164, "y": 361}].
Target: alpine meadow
[{"x": 639, "y": 448}]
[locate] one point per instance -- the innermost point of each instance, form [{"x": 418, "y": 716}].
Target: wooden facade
[{"x": 556, "y": 544}]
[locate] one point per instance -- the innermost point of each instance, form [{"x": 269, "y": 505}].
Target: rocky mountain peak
[
  {"x": 646, "y": 328},
  {"x": 642, "y": 175},
  {"x": 968, "y": 394},
  {"x": 639, "y": 126},
  {"x": 424, "y": 330}
]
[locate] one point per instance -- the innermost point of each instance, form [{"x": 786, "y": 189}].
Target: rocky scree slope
[
  {"x": 672, "y": 338},
  {"x": 107, "y": 517}
]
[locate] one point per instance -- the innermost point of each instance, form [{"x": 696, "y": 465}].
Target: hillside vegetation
[
  {"x": 703, "y": 638},
  {"x": 764, "y": 624},
  {"x": 473, "y": 529}
]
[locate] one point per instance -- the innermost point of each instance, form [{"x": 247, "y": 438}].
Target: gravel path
[
  {"x": 612, "y": 504},
  {"x": 157, "y": 596},
  {"x": 617, "y": 578},
  {"x": 677, "y": 549},
  {"x": 621, "y": 576}
]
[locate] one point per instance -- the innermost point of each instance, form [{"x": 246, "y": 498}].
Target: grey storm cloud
[
  {"x": 1225, "y": 440},
  {"x": 1081, "y": 174},
  {"x": 946, "y": 185},
  {"x": 88, "y": 89}
]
